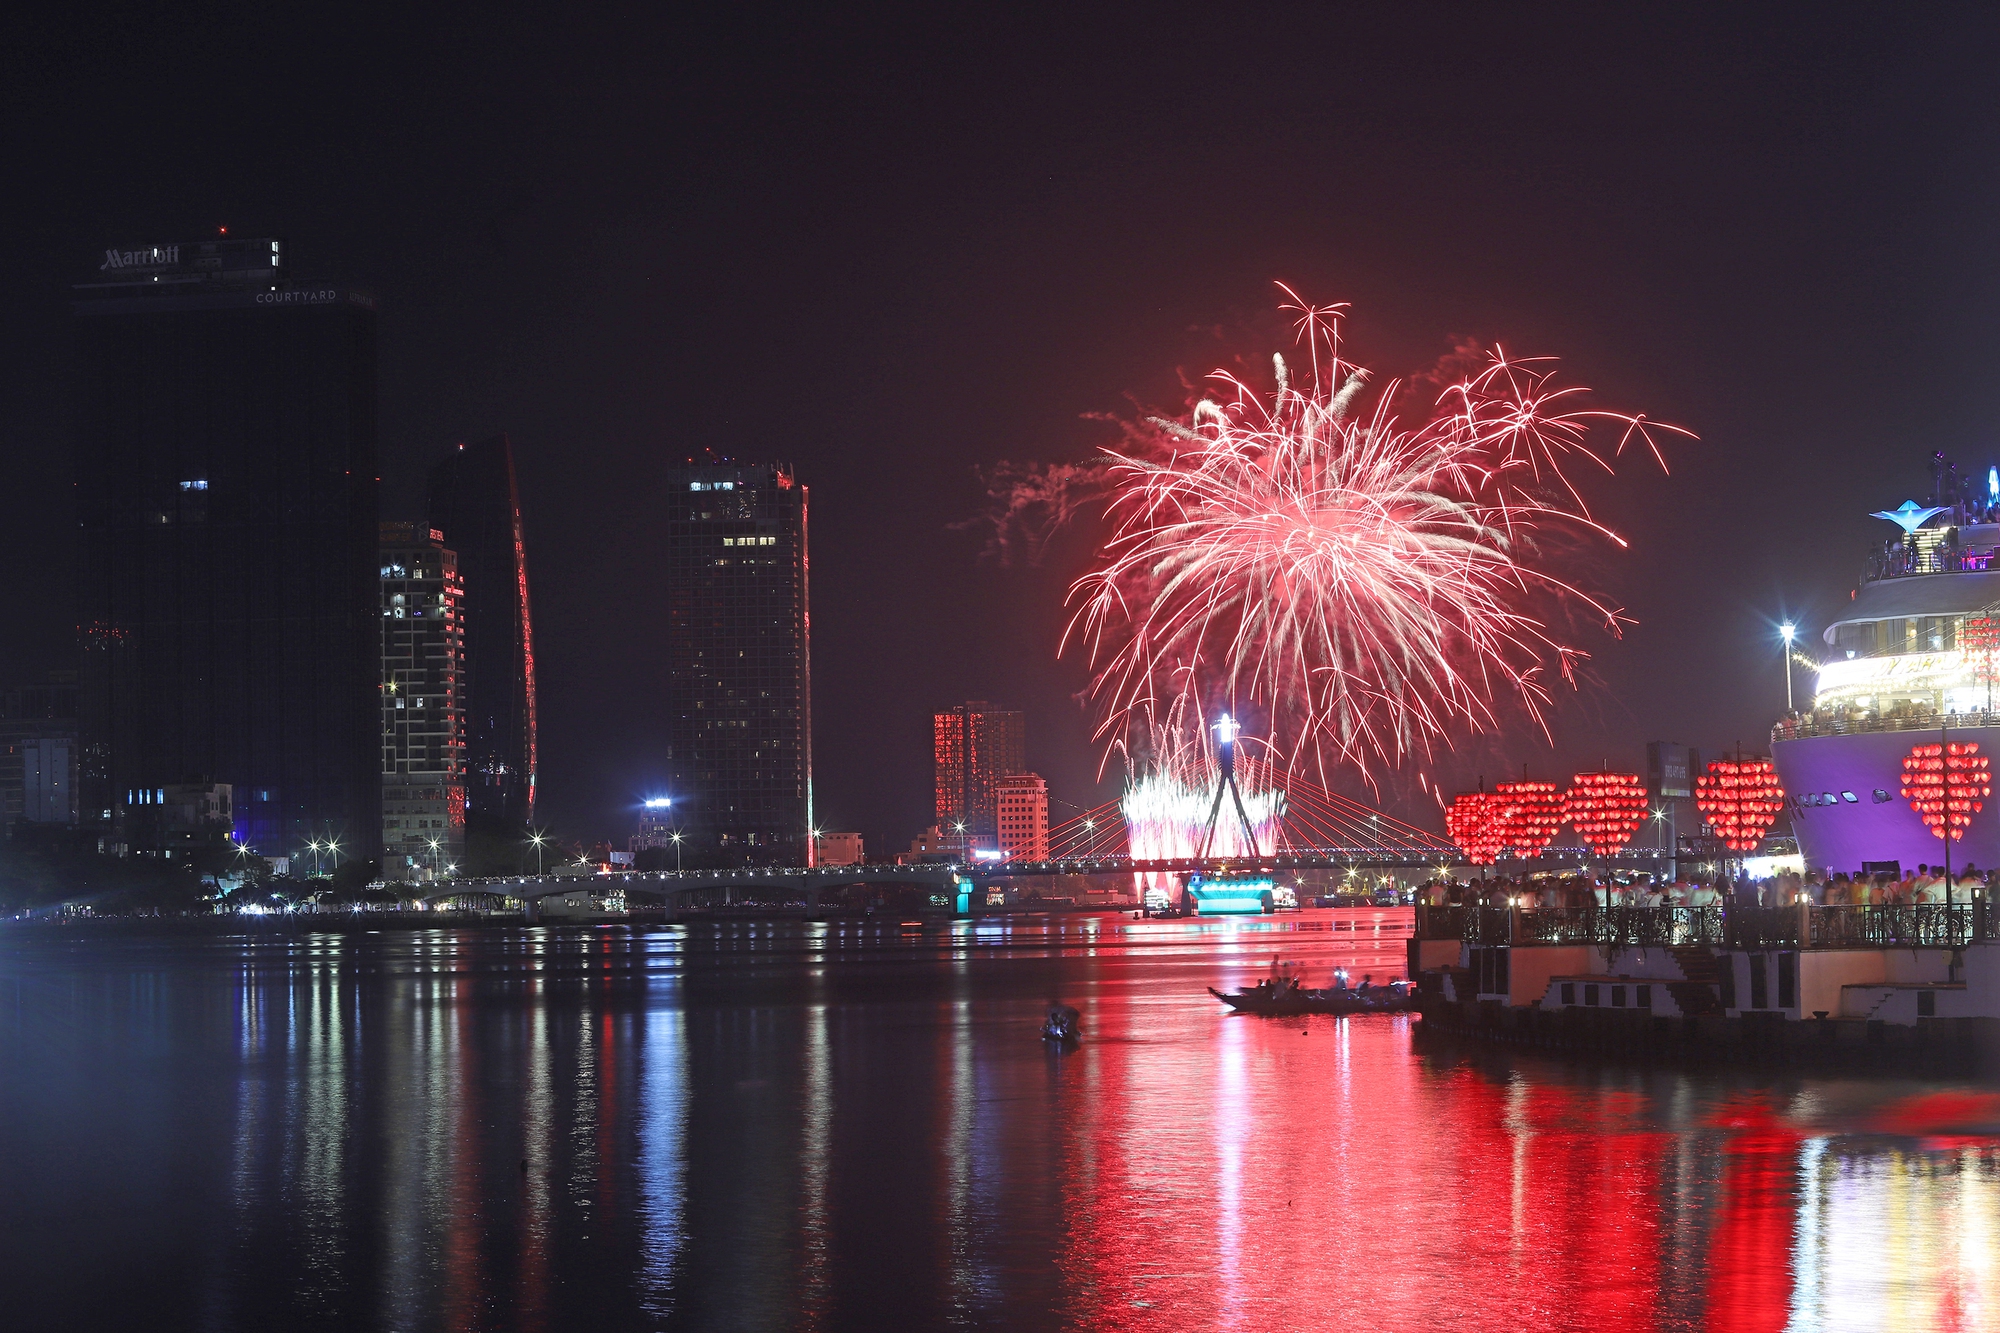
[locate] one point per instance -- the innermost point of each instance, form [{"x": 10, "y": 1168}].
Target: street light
[
  {"x": 434, "y": 857},
  {"x": 1786, "y": 632},
  {"x": 538, "y": 840},
  {"x": 676, "y": 840},
  {"x": 314, "y": 844}
]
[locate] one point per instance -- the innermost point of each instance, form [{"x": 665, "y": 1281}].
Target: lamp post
[
  {"x": 314, "y": 844},
  {"x": 434, "y": 858},
  {"x": 538, "y": 841},
  {"x": 1788, "y": 631},
  {"x": 1090, "y": 827},
  {"x": 676, "y": 839}
]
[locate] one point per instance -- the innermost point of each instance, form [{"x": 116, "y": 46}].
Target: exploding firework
[{"x": 1368, "y": 586}]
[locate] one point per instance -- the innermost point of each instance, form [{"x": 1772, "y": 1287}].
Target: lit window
[
  {"x": 200, "y": 484},
  {"x": 1850, "y": 798}
]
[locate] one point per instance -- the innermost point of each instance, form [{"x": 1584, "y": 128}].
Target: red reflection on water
[
  {"x": 1314, "y": 1184},
  {"x": 1750, "y": 1249},
  {"x": 1929, "y": 1113}
]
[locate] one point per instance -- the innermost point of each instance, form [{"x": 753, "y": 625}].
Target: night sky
[{"x": 890, "y": 247}]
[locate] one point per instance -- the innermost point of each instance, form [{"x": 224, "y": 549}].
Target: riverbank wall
[{"x": 1930, "y": 1048}]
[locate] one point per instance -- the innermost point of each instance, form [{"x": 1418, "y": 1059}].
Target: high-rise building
[
  {"x": 1021, "y": 802},
  {"x": 226, "y": 487},
  {"x": 423, "y": 712},
  {"x": 739, "y": 664},
  {"x": 973, "y": 746},
  {"x": 38, "y": 753},
  {"x": 475, "y": 504}
]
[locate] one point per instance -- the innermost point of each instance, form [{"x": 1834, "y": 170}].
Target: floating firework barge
[{"x": 1889, "y": 768}]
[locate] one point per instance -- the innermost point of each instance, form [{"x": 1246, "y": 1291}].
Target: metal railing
[
  {"x": 1806, "y": 728},
  {"x": 1907, "y": 925},
  {"x": 1912, "y": 561},
  {"x": 1919, "y": 925}
]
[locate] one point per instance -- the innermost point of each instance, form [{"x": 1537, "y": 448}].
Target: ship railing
[
  {"x": 1750, "y": 929},
  {"x": 1910, "y": 563},
  {"x": 1642, "y": 927},
  {"x": 1793, "y": 729}
]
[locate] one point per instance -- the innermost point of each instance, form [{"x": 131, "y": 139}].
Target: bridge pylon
[{"x": 1226, "y": 732}]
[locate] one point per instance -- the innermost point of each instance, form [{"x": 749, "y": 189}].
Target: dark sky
[{"x": 892, "y": 245}]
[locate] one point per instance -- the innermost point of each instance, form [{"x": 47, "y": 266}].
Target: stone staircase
[{"x": 1698, "y": 994}]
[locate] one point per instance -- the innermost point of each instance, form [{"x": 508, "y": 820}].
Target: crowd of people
[{"x": 1928, "y": 884}]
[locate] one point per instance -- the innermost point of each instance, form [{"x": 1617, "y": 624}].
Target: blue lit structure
[{"x": 1232, "y": 897}]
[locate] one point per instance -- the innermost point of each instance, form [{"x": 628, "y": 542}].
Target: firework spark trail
[{"x": 1368, "y": 586}]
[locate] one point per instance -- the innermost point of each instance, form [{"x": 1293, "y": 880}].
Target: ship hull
[{"x": 1845, "y": 834}]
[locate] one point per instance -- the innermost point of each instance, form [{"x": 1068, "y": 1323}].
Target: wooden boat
[{"x": 1284, "y": 997}]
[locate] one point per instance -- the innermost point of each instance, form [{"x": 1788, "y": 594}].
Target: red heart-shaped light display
[
  {"x": 1947, "y": 784},
  {"x": 1740, "y": 799}
]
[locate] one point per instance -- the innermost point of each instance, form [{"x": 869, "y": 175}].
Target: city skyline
[{"x": 988, "y": 305}]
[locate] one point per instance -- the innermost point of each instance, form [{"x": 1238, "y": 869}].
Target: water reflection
[{"x": 840, "y": 1126}]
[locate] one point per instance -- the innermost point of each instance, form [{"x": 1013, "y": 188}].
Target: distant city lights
[{"x": 659, "y": 802}]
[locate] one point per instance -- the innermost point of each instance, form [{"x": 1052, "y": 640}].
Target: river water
[{"x": 779, "y": 1125}]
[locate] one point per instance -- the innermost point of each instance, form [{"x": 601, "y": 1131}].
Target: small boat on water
[
  {"x": 1281, "y": 995},
  {"x": 1062, "y": 1026}
]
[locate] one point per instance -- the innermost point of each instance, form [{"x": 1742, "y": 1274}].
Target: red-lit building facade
[
  {"x": 1021, "y": 804},
  {"x": 973, "y": 746},
  {"x": 474, "y": 504}
]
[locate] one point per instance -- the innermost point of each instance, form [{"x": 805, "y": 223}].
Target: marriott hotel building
[{"x": 226, "y": 488}]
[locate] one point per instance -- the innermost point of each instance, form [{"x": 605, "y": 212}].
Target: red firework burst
[{"x": 1367, "y": 584}]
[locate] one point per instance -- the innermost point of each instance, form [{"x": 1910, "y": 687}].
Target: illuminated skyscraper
[
  {"x": 738, "y": 681},
  {"x": 226, "y": 489},
  {"x": 423, "y": 716},
  {"x": 973, "y": 746},
  {"x": 476, "y": 507}
]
